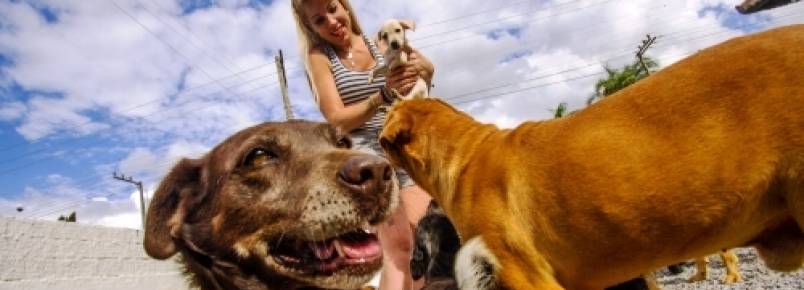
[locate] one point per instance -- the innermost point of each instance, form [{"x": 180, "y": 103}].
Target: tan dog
[
  {"x": 593, "y": 199},
  {"x": 392, "y": 33}
]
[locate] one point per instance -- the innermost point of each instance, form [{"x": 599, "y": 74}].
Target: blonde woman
[{"x": 338, "y": 58}]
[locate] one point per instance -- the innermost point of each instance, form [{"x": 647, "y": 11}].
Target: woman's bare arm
[{"x": 345, "y": 118}]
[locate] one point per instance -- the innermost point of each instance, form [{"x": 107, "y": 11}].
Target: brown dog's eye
[
  {"x": 385, "y": 36},
  {"x": 344, "y": 142},
  {"x": 398, "y": 30},
  {"x": 260, "y": 157}
]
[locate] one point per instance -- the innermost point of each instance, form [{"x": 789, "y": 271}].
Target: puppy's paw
[
  {"x": 397, "y": 96},
  {"x": 476, "y": 267}
]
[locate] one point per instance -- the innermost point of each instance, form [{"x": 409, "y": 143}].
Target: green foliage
[
  {"x": 70, "y": 218},
  {"x": 618, "y": 79},
  {"x": 560, "y": 111}
]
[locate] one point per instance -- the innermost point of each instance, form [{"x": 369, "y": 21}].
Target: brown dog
[
  {"x": 593, "y": 199},
  {"x": 275, "y": 206}
]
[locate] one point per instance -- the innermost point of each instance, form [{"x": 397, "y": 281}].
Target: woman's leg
[{"x": 396, "y": 236}]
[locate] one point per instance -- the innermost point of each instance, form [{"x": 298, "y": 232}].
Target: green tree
[
  {"x": 560, "y": 111},
  {"x": 70, "y": 218},
  {"x": 618, "y": 79}
]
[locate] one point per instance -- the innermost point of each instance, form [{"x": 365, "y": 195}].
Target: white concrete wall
[{"x": 58, "y": 255}]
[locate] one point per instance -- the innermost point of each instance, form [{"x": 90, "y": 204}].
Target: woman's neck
[
  {"x": 349, "y": 50},
  {"x": 347, "y": 45}
]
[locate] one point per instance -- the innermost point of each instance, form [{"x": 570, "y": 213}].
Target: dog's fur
[
  {"x": 436, "y": 242},
  {"x": 244, "y": 216},
  {"x": 392, "y": 33},
  {"x": 593, "y": 199}
]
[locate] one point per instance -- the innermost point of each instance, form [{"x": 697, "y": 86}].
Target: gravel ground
[{"x": 755, "y": 275}]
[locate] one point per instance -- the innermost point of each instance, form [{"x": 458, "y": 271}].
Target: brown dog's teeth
[
  {"x": 338, "y": 248},
  {"x": 322, "y": 250}
]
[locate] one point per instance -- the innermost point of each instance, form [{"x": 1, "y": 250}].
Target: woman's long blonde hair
[{"x": 308, "y": 38}]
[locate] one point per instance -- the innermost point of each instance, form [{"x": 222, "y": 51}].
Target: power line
[
  {"x": 35, "y": 151},
  {"x": 428, "y": 24},
  {"x": 73, "y": 141},
  {"x": 174, "y": 49},
  {"x": 154, "y": 100},
  {"x": 441, "y": 34}
]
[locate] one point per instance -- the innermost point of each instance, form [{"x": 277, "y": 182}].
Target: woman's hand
[{"x": 403, "y": 78}]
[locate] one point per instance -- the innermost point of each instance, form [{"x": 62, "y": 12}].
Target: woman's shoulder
[
  {"x": 318, "y": 49},
  {"x": 318, "y": 58}
]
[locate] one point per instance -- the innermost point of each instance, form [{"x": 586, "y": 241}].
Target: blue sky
[{"x": 88, "y": 88}]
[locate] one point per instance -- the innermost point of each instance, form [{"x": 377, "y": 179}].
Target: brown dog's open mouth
[{"x": 354, "y": 249}]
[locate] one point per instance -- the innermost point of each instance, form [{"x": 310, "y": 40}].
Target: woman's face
[{"x": 330, "y": 20}]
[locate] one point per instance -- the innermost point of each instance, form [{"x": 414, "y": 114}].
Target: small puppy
[
  {"x": 436, "y": 244},
  {"x": 392, "y": 34}
]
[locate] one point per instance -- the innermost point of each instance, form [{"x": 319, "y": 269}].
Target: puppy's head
[
  {"x": 392, "y": 33},
  {"x": 288, "y": 200}
]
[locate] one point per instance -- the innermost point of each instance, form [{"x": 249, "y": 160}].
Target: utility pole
[
  {"x": 283, "y": 84},
  {"x": 642, "y": 49},
  {"x": 123, "y": 177}
]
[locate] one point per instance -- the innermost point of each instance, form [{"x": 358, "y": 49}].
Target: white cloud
[
  {"x": 138, "y": 161},
  {"x": 11, "y": 111},
  {"x": 95, "y": 68}
]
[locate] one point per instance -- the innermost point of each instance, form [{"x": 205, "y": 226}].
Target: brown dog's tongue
[{"x": 358, "y": 250}]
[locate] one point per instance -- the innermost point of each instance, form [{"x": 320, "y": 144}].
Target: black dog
[{"x": 436, "y": 243}]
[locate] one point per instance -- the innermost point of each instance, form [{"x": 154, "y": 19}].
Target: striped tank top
[{"x": 353, "y": 86}]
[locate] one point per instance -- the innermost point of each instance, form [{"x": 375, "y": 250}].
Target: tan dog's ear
[
  {"x": 408, "y": 24},
  {"x": 166, "y": 212},
  {"x": 395, "y": 134}
]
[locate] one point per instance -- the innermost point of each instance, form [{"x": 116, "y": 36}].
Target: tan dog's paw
[
  {"x": 732, "y": 278},
  {"x": 698, "y": 277}
]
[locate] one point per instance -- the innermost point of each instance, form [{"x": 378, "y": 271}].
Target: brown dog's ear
[
  {"x": 166, "y": 211},
  {"x": 408, "y": 24}
]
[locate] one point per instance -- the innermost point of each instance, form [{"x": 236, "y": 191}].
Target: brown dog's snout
[
  {"x": 395, "y": 45},
  {"x": 368, "y": 179},
  {"x": 365, "y": 174}
]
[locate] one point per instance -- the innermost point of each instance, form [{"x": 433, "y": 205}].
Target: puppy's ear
[
  {"x": 167, "y": 210},
  {"x": 408, "y": 24}
]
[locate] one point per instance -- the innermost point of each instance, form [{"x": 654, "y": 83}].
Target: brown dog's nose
[{"x": 365, "y": 174}]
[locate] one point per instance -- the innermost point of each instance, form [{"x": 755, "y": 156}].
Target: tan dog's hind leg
[
  {"x": 782, "y": 247},
  {"x": 477, "y": 268},
  {"x": 732, "y": 268},
  {"x": 702, "y": 269}
]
